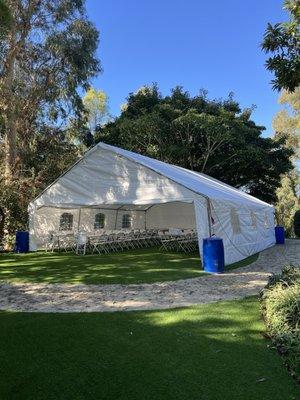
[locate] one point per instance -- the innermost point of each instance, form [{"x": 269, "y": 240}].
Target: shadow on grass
[
  {"x": 134, "y": 266},
  {"x": 208, "y": 352}
]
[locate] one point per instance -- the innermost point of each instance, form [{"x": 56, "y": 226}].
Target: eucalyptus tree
[
  {"x": 46, "y": 56},
  {"x": 47, "y": 60}
]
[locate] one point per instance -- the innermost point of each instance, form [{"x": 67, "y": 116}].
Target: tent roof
[
  {"x": 79, "y": 185},
  {"x": 197, "y": 182}
]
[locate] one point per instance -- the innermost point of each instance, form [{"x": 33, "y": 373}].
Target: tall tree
[
  {"x": 48, "y": 53},
  {"x": 214, "y": 137},
  {"x": 282, "y": 40},
  {"x": 288, "y": 200},
  {"x": 96, "y": 105},
  {"x": 47, "y": 59},
  {"x": 286, "y": 123}
]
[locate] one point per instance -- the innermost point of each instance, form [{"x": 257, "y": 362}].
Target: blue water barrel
[
  {"x": 213, "y": 255},
  {"x": 279, "y": 234},
  {"x": 22, "y": 242}
]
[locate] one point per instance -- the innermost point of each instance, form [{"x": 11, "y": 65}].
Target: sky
[{"x": 198, "y": 44}]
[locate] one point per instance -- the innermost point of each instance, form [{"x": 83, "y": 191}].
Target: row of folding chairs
[
  {"x": 106, "y": 242},
  {"x": 61, "y": 242},
  {"x": 186, "y": 243},
  {"x": 116, "y": 241},
  {"x": 121, "y": 241}
]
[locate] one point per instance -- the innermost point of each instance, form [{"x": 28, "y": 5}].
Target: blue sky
[{"x": 197, "y": 44}]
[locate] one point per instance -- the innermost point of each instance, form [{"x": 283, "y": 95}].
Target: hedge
[{"x": 281, "y": 311}]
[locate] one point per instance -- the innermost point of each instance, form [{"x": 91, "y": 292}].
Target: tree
[
  {"x": 214, "y": 137},
  {"x": 47, "y": 55},
  {"x": 50, "y": 154},
  {"x": 287, "y": 201},
  {"x": 47, "y": 58},
  {"x": 286, "y": 124},
  {"x": 95, "y": 103},
  {"x": 283, "y": 41}
]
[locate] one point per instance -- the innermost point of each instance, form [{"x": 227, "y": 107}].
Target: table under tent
[{"x": 119, "y": 199}]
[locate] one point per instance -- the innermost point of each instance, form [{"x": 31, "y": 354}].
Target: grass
[
  {"x": 135, "y": 266},
  {"x": 208, "y": 352}
]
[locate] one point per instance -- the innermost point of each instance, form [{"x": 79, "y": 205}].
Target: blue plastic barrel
[
  {"x": 213, "y": 255},
  {"x": 279, "y": 234},
  {"x": 22, "y": 242}
]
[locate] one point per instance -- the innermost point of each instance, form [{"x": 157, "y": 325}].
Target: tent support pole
[
  {"x": 209, "y": 216},
  {"x": 79, "y": 219},
  {"x": 116, "y": 220}
]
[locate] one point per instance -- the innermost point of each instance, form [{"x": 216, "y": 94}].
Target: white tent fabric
[{"x": 158, "y": 195}]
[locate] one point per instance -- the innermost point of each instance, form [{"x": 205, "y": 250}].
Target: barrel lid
[{"x": 213, "y": 238}]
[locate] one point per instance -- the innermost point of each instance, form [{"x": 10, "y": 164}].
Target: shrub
[
  {"x": 297, "y": 223},
  {"x": 281, "y": 311}
]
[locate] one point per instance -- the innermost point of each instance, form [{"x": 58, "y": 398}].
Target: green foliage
[
  {"x": 281, "y": 309},
  {"x": 48, "y": 155},
  {"x": 54, "y": 56},
  {"x": 297, "y": 223},
  {"x": 287, "y": 201},
  {"x": 95, "y": 103},
  {"x": 283, "y": 40},
  {"x": 210, "y": 136},
  {"x": 286, "y": 124},
  {"x": 5, "y": 18}
]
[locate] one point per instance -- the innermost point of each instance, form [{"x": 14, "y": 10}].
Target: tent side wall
[{"x": 244, "y": 230}]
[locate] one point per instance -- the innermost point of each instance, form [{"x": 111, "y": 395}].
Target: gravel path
[{"x": 236, "y": 284}]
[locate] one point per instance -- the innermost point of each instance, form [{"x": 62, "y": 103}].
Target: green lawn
[
  {"x": 135, "y": 266},
  {"x": 207, "y": 352}
]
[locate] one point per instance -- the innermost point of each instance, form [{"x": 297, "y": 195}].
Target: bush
[
  {"x": 297, "y": 223},
  {"x": 281, "y": 311}
]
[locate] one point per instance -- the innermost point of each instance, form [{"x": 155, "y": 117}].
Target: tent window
[
  {"x": 99, "y": 221},
  {"x": 126, "y": 221},
  {"x": 66, "y": 222},
  {"x": 235, "y": 221},
  {"x": 253, "y": 220}
]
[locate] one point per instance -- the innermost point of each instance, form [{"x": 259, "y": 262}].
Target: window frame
[
  {"x": 102, "y": 218},
  {"x": 66, "y": 225},
  {"x": 129, "y": 220}
]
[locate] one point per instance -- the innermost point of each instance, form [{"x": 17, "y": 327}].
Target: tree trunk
[
  {"x": 10, "y": 147},
  {"x": 9, "y": 113},
  {"x": 2, "y": 222}
]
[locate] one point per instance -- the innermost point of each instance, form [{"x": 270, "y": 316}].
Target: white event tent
[{"x": 155, "y": 195}]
